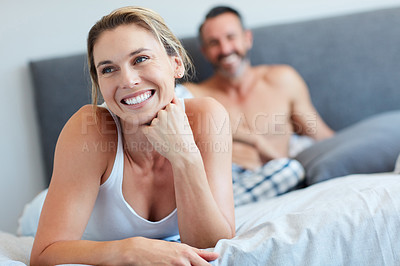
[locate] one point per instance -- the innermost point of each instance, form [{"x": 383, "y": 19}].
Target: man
[{"x": 267, "y": 104}]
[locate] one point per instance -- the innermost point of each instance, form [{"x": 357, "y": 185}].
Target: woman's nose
[{"x": 129, "y": 78}]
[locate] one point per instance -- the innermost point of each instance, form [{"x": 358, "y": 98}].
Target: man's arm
[{"x": 306, "y": 120}]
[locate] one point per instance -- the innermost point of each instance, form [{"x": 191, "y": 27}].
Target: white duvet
[{"x": 353, "y": 220}]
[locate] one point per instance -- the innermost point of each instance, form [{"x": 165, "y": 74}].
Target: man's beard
[{"x": 218, "y": 67}]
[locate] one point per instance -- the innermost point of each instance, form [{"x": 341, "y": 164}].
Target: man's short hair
[{"x": 219, "y": 10}]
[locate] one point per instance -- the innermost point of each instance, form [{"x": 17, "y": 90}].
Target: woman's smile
[{"x": 138, "y": 99}]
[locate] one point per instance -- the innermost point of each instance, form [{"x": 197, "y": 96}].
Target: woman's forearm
[
  {"x": 129, "y": 251},
  {"x": 201, "y": 223},
  {"x": 79, "y": 252}
]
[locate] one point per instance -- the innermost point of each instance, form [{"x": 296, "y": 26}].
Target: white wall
[{"x": 39, "y": 29}]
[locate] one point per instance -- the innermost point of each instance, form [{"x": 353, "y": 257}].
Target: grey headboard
[
  {"x": 351, "y": 64},
  {"x": 62, "y": 86}
]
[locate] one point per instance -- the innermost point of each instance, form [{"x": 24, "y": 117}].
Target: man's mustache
[{"x": 222, "y": 56}]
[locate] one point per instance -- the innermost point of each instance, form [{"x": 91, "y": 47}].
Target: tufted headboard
[{"x": 351, "y": 64}]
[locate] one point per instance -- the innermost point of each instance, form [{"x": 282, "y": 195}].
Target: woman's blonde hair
[{"x": 144, "y": 18}]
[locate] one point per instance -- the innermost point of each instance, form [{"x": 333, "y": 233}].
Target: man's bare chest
[{"x": 262, "y": 112}]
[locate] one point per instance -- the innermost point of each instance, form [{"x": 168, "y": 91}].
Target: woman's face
[{"x": 135, "y": 74}]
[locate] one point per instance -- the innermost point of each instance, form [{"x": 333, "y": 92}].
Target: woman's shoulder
[
  {"x": 89, "y": 124},
  {"x": 201, "y": 105},
  {"x": 207, "y": 115},
  {"x": 88, "y": 143}
]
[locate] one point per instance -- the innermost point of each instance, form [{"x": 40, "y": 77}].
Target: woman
[{"x": 142, "y": 167}]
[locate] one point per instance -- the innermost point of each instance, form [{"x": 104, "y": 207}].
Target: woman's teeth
[{"x": 138, "y": 99}]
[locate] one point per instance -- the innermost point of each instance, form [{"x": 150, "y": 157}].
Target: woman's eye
[
  {"x": 107, "y": 70},
  {"x": 140, "y": 59}
]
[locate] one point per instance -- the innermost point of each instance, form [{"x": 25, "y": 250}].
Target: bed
[
  {"x": 350, "y": 212},
  {"x": 352, "y": 220}
]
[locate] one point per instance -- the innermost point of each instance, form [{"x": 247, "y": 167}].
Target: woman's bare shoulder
[
  {"x": 207, "y": 116},
  {"x": 89, "y": 130},
  {"x": 202, "y": 105},
  {"x": 87, "y": 142},
  {"x": 92, "y": 122}
]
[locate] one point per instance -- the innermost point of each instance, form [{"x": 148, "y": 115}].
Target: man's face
[{"x": 225, "y": 43}]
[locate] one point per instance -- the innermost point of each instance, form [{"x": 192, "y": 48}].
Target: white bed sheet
[
  {"x": 14, "y": 250},
  {"x": 353, "y": 220}
]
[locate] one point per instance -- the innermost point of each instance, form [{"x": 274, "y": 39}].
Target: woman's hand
[
  {"x": 146, "y": 251},
  {"x": 170, "y": 132},
  {"x": 201, "y": 173}
]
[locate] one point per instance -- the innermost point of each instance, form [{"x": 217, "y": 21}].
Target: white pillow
[
  {"x": 14, "y": 250},
  {"x": 29, "y": 220},
  {"x": 182, "y": 92},
  {"x": 397, "y": 166}
]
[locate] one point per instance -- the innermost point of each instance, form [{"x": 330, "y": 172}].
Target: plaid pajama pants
[{"x": 272, "y": 179}]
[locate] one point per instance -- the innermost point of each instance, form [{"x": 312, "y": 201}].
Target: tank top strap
[{"x": 117, "y": 170}]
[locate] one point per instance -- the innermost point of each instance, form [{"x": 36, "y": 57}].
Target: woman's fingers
[
  {"x": 201, "y": 257},
  {"x": 207, "y": 255}
]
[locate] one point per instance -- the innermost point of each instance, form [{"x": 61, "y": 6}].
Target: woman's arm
[
  {"x": 129, "y": 251},
  {"x": 78, "y": 168},
  {"x": 200, "y": 150}
]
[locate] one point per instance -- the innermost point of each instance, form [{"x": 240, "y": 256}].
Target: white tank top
[{"x": 113, "y": 218}]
